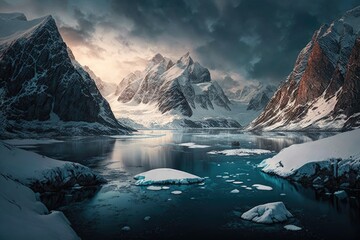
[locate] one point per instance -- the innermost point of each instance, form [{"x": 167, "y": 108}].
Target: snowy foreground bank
[
  {"x": 22, "y": 215},
  {"x": 41, "y": 173},
  {"x": 333, "y": 161}
]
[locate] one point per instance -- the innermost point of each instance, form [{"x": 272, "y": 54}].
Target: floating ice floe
[
  {"x": 125, "y": 228},
  {"x": 248, "y": 188},
  {"x": 230, "y": 180},
  {"x": 291, "y": 227},
  {"x": 262, "y": 187},
  {"x": 147, "y": 218},
  {"x": 166, "y": 176},
  {"x": 177, "y": 192},
  {"x": 165, "y": 187},
  {"x": 282, "y": 194},
  {"x": 193, "y": 145},
  {"x": 241, "y": 152},
  {"x": 154, "y": 188},
  {"x": 225, "y": 177},
  {"x": 234, "y": 191},
  {"x": 237, "y": 182},
  {"x": 268, "y": 213},
  {"x": 340, "y": 194}
]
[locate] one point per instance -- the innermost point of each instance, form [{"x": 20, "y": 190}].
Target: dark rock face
[
  {"x": 39, "y": 82},
  {"x": 333, "y": 174},
  {"x": 171, "y": 97},
  {"x": 349, "y": 98},
  {"x": 322, "y": 91}
]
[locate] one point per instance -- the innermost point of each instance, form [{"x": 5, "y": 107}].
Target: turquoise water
[{"x": 208, "y": 211}]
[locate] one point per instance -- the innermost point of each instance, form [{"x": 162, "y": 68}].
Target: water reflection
[{"x": 207, "y": 211}]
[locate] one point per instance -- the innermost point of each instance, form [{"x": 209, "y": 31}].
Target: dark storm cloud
[
  {"x": 261, "y": 38},
  {"x": 83, "y": 31},
  {"x": 258, "y": 39}
]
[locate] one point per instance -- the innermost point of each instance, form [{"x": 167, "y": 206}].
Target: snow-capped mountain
[
  {"x": 255, "y": 95},
  {"x": 263, "y": 96},
  {"x": 176, "y": 94},
  {"x": 245, "y": 93},
  {"x": 42, "y": 88},
  {"x": 322, "y": 91}
]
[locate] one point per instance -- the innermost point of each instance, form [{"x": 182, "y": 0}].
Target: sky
[{"x": 242, "y": 40}]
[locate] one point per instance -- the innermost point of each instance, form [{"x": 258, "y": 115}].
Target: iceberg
[
  {"x": 262, "y": 187},
  {"x": 268, "y": 213},
  {"x": 166, "y": 176},
  {"x": 291, "y": 227}
]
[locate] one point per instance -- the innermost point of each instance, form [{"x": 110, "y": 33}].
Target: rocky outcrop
[
  {"x": 43, "y": 89},
  {"x": 322, "y": 91}
]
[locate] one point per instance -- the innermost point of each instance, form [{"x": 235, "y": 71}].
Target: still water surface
[{"x": 208, "y": 211}]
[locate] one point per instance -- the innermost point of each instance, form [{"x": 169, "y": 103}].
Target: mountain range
[
  {"x": 172, "y": 94},
  {"x": 323, "y": 90}
]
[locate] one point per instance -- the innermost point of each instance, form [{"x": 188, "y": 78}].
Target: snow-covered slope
[
  {"x": 255, "y": 95},
  {"x": 261, "y": 98},
  {"x": 322, "y": 91},
  {"x": 172, "y": 94},
  {"x": 42, "y": 173},
  {"x": 336, "y": 157},
  {"x": 42, "y": 88},
  {"x": 22, "y": 216}
]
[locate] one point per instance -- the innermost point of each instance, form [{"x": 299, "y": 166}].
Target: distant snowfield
[
  {"x": 148, "y": 115},
  {"x": 241, "y": 152},
  {"x": 166, "y": 176},
  {"x": 137, "y": 136},
  {"x": 344, "y": 146}
]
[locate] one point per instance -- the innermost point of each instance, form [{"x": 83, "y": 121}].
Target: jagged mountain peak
[
  {"x": 157, "y": 58},
  {"x": 179, "y": 90},
  {"x": 185, "y": 60}
]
